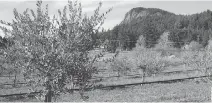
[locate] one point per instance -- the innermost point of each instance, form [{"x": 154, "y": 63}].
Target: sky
[{"x": 120, "y": 8}]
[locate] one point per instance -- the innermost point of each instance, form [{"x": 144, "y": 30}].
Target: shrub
[
  {"x": 142, "y": 58},
  {"x": 140, "y": 42},
  {"x": 120, "y": 65},
  {"x": 165, "y": 46},
  {"x": 150, "y": 60},
  {"x": 198, "y": 59},
  {"x": 163, "y": 42},
  {"x": 193, "y": 46},
  {"x": 209, "y": 46}
]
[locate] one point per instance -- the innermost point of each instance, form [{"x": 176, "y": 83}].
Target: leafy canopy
[{"x": 57, "y": 47}]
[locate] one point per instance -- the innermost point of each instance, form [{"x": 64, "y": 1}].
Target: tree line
[{"x": 182, "y": 29}]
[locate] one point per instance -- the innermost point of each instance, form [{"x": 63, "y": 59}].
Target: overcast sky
[{"x": 120, "y": 7}]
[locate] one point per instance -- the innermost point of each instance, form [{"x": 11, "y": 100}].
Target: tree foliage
[{"x": 56, "y": 48}]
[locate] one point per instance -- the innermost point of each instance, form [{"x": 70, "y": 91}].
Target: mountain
[
  {"x": 140, "y": 12},
  {"x": 153, "y": 22}
]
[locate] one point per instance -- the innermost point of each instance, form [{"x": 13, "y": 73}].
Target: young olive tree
[{"x": 56, "y": 50}]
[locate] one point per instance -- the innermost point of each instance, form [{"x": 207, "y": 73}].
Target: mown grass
[{"x": 186, "y": 91}]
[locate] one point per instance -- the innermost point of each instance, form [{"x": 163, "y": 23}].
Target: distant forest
[{"x": 182, "y": 29}]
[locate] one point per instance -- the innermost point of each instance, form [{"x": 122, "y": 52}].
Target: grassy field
[
  {"x": 124, "y": 80},
  {"x": 131, "y": 60},
  {"x": 187, "y": 91},
  {"x": 192, "y": 91}
]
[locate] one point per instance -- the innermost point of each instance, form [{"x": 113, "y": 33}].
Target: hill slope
[{"x": 152, "y": 22}]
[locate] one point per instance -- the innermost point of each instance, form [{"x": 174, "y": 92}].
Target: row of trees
[
  {"x": 51, "y": 52},
  {"x": 183, "y": 29}
]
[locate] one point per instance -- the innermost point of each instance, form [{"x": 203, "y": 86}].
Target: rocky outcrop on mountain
[{"x": 141, "y": 12}]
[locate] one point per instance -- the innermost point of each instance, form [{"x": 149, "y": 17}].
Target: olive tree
[{"x": 55, "y": 50}]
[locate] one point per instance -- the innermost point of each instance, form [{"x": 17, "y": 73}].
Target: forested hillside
[{"x": 152, "y": 23}]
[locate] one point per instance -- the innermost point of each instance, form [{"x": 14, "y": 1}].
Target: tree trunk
[
  {"x": 48, "y": 96},
  {"x": 9, "y": 76},
  {"x": 143, "y": 77},
  {"x": 14, "y": 85},
  {"x": 72, "y": 82},
  {"x": 118, "y": 75},
  {"x": 81, "y": 91}
]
